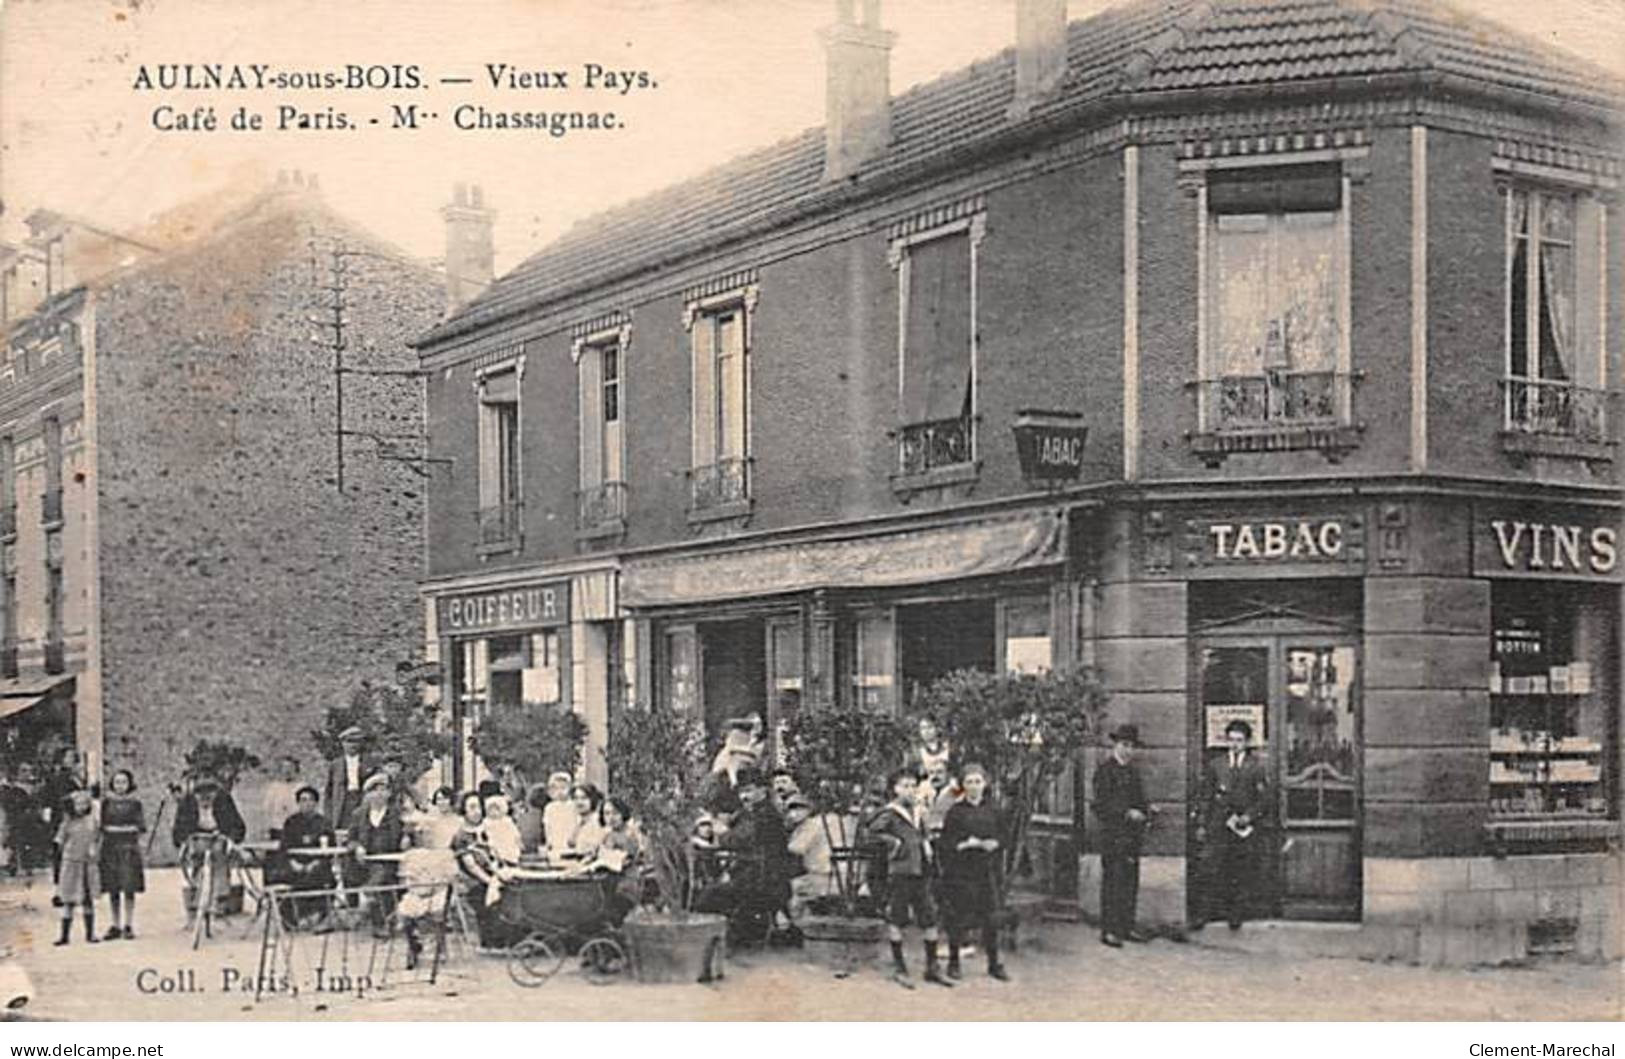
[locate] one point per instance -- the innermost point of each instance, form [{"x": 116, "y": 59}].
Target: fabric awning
[
  {"x": 941, "y": 553},
  {"x": 18, "y": 695}
]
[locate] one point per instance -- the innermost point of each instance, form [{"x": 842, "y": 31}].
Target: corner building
[{"x": 1334, "y": 289}]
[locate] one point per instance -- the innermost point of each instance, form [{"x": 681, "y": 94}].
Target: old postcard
[{"x": 923, "y": 510}]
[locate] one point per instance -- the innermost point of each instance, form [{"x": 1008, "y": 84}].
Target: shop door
[{"x": 1299, "y": 693}]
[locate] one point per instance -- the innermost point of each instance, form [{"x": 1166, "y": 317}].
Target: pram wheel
[
  {"x": 602, "y": 960},
  {"x": 533, "y": 961}
]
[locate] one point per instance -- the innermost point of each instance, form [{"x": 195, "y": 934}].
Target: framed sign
[{"x": 1220, "y": 716}]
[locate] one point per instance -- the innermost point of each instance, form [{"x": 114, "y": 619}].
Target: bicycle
[{"x": 204, "y": 861}]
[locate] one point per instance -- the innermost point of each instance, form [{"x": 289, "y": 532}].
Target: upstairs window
[
  {"x": 500, "y": 500},
  {"x": 599, "y": 367},
  {"x": 1277, "y": 299},
  {"x": 51, "y": 499},
  {"x": 720, "y": 474},
  {"x": 1554, "y": 384},
  {"x": 936, "y": 371}
]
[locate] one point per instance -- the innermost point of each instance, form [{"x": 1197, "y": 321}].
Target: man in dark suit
[
  {"x": 345, "y": 775},
  {"x": 1123, "y": 812},
  {"x": 1235, "y": 801},
  {"x": 375, "y": 828}
]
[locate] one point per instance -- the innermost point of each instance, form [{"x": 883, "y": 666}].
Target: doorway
[
  {"x": 939, "y": 637},
  {"x": 1295, "y": 681}
]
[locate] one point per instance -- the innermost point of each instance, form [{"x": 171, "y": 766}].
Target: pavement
[{"x": 1067, "y": 974}]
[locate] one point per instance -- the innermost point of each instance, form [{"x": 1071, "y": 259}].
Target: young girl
[
  {"x": 123, "y": 822},
  {"x": 79, "y": 881}
]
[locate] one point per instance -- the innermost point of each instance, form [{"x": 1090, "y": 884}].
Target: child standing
[
  {"x": 123, "y": 822},
  {"x": 79, "y": 881},
  {"x": 901, "y": 826}
]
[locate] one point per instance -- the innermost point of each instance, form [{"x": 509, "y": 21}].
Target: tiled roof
[{"x": 1146, "y": 47}]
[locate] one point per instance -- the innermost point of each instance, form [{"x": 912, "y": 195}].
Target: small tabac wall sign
[{"x": 1050, "y": 444}]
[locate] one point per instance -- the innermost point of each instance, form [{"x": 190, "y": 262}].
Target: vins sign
[{"x": 1050, "y": 445}]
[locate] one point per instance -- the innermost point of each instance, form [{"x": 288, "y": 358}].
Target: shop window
[
  {"x": 602, "y": 506},
  {"x": 1554, "y": 384},
  {"x": 1275, "y": 349},
  {"x": 937, "y": 353},
  {"x": 526, "y": 669},
  {"x": 785, "y": 672},
  {"x": 682, "y": 670},
  {"x": 871, "y": 660},
  {"x": 1551, "y": 687},
  {"x": 1026, "y": 635},
  {"x": 500, "y": 500},
  {"x": 719, "y": 477},
  {"x": 8, "y": 646}
]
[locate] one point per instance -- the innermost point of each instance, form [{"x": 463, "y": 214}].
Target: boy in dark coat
[
  {"x": 1124, "y": 813},
  {"x": 901, "y": 828},
  {"x": 970, "y": 855},
  {"x": 1236, "y": 801}
]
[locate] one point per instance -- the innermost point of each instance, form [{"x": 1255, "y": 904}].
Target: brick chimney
[
  {"x": 857, "y": 124},
  {"x": 469, "y": 252},
  {"x": 1040, "y": 53}
]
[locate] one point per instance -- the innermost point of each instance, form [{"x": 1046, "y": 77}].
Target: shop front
[
  {"x": 859, "y": 621},
  {"x": 1432, "y": 687}
]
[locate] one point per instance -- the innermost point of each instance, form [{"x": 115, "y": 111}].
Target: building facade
[
  {"x": 181, "y": 562},
  {"x": 1333, "y": 288}
]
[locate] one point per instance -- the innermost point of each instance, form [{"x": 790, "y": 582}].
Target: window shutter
[
  {"x": 1590, "y": 299},
  {"x": 1276, "y": 189},
  {"x": 704, "y": 389},
  {"x": 590, "y": 374},
  {"x": 731, "y": 359},
  {"x": 937, "y": 362}
]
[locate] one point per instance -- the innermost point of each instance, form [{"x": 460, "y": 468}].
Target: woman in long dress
[
  {"x": 124, "y": 821},
  {"x": 971, "y": 834}
]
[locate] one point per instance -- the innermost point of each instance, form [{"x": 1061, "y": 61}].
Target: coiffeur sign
[{"x": 509, "y": 607}]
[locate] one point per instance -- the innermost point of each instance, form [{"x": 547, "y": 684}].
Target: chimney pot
[
  {"x": 470, "y": 255},
  {"x": 857, "y": 120},
  {"x": 1040, "y": 53}
]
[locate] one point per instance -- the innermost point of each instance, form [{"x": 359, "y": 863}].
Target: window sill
[
  {"x": 505, "y": 547},
  {"x": 733, "y": 509},
  {"x": 1520, "y": 445},
  {"x": 906, "y": 485},
  {"x": 610, "y": 527},
  {"x": 1333, "y": 440}
]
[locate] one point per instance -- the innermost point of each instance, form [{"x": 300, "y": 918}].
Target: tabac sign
[
  {"x": 509, "y": 607},
  {"x": 1050, "y": 445},
  {"x": 1545, "y": 542},
  {"x": 1270, "y": 542}
]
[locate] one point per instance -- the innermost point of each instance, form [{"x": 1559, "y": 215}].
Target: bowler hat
[
  {"x": 1126, "y": 733},
  {"x": 749, "y": 778}
]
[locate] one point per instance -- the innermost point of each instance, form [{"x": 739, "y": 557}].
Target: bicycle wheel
[
  {"x": 602, "y": 960},
  {"x": 533, "y": 961},
  {"x": 204, "y": 900}
]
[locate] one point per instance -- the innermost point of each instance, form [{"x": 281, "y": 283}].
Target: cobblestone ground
[{"x": 1070, "y": 977}]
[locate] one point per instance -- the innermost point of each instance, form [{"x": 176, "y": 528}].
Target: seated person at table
[
  {"x": 477, "y": 864},
  {"x": 375, "y": 829},
  {"x": 759, "y": 878},
  {"x": 580, "y": 838},
  {"x": 437, "y": 826},
  {"x": 501, "y": 831},
  {"x": 307, "y": 828}
]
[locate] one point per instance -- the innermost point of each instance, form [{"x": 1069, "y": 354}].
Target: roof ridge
[{"x": 1141, "y": 61}]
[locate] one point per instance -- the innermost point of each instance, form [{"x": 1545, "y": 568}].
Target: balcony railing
[
  {"x": 601, "y": 507},
  {"x": 1556, "y": 409},
  {"x": 55, "y": 655},
  {"x": 719, "y": 487},
  {"x": 51, "y": 505},
  {"x": 1276, "y": 411},
  {"x": 499, "y": 525},
  {"x": 936, "y": 444},
  {"x": 8, "y": 659}
]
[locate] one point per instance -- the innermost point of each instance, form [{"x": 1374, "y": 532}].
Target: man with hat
[
  {"x": 1235, "y": 800},
  {"x": 375, "y": 829},
  {"x": 345, "y": 775},
  {"x": 1124, "y": 814},
  {"x": 758, "y": 841}
]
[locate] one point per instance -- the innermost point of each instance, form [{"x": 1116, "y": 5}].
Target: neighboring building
[
  {"x": 182, "y": 564},
  {"x": 1333, "y": 286}
]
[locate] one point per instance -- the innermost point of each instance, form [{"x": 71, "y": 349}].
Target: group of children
[{"x": 99, "y": 852}]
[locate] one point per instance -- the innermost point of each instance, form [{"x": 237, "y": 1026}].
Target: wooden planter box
[{"x": 842, "y": 944}]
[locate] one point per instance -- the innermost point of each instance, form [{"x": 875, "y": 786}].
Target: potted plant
[
  {"x": 533, "y": 740},
  {"x": 840, "y": 756},
  {"x": 1025, "y": 729},
  {"x": 657, "y": 756},
  {"x": 224, "y": 761},
  {"x": 395, "y": 722}
]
